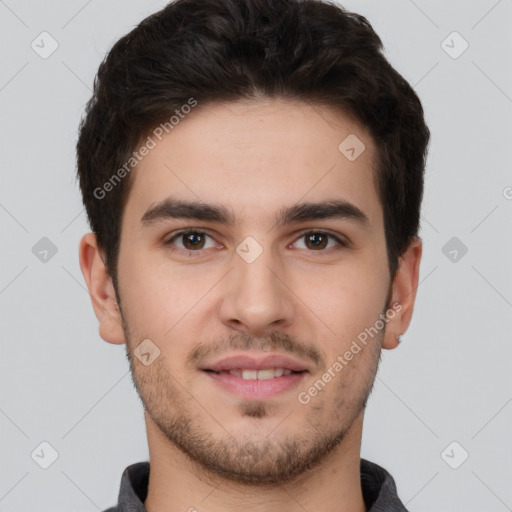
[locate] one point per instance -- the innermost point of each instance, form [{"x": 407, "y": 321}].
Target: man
[{"x": 253, "y": 174}]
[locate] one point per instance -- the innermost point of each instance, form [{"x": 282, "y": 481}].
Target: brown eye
[
  {"x": 193, "y": 241},
  {"x": 320, "y": 240},
  {"x": 316, "y": 240}
]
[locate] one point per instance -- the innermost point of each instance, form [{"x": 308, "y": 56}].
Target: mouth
[
  {"x": 252, "y": 377},
  {"x": 257, "y": 385},
  {"x": 264, "y": 374},
  {"x": 256, "y": 362}
]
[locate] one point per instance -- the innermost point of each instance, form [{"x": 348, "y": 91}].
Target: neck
[{"x": 178, "y": 484}]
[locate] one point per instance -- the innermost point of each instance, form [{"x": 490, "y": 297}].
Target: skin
[{"x": 209, "y": 449}]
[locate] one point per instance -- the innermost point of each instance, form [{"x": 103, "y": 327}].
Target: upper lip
[{"x": 253, "y": 362}]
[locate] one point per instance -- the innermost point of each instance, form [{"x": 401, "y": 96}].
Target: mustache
[{"x": 275, "y": 341}]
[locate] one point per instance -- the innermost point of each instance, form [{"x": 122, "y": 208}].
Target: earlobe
[
  {"x": 101, "y": 290},
  {"x": 405, "y": 284}
]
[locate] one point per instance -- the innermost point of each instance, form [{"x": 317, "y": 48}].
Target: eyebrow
[{"x": 178, "y": 209}]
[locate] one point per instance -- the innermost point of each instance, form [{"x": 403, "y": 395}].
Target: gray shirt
[{"x": 379, "y": 489}]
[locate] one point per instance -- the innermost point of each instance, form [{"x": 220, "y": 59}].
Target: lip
[
  {"x": 254, "y": 362},
  {"x": 256, "y": 389}
]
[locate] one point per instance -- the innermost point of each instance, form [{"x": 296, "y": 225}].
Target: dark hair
[{"x": 207, "y": 51}]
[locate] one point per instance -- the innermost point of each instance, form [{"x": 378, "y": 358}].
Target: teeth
[{"x": 268, "y": 373}]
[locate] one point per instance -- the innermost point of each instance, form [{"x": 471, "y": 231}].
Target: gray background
[{"x": 448, "y": 381}]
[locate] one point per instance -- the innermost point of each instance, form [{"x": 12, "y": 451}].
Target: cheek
[
  {"x": 152, "y": 300},
  {"x": 344, "y": 301},
  {"x": 166, "y": 304}
]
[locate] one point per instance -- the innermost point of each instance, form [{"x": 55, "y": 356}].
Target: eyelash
[{"x": 190, "y": 253}]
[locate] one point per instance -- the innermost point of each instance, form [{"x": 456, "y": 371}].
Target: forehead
[{"x": 256, "y": 156}]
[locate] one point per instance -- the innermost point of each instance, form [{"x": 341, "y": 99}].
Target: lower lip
[{"x": 255, "y": 388}]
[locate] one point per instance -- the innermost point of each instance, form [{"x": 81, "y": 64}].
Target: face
[{"x": 252, "y": 298}]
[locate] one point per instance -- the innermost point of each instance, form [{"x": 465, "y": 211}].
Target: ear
[
  {"x": 403, "y": 294},
  {"x": 101, "y": 290}
]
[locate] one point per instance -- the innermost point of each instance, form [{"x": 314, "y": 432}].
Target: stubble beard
[{"x": 262, "y": 462}]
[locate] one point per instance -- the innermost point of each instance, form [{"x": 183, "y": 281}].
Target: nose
[{"x": 256, "y": 298}]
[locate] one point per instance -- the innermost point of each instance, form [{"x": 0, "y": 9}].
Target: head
[{"x": 280, "y": 136}]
